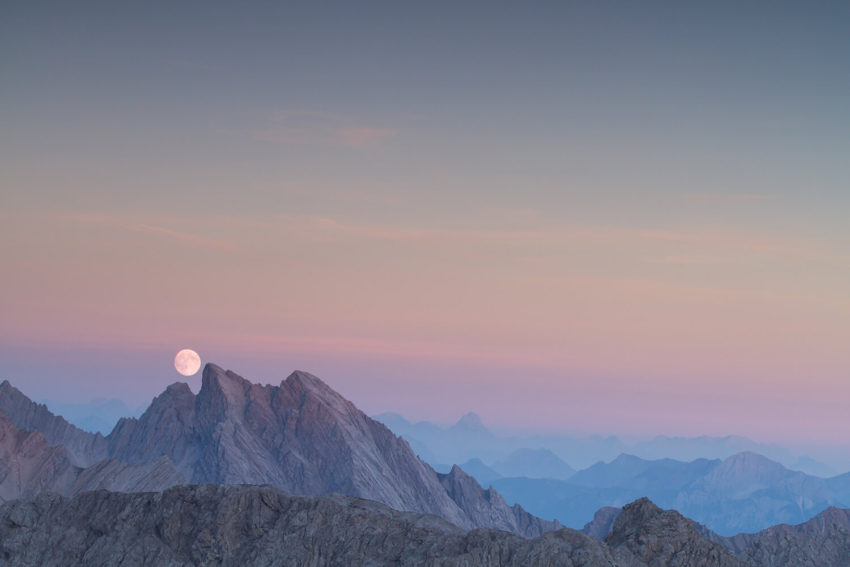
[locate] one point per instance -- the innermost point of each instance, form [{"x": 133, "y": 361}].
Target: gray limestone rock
[
  {"x": 261, "y": 526},
  {"x": 644, "y": 534}
]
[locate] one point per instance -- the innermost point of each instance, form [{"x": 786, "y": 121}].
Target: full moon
[{"x": 187, "y": 362}]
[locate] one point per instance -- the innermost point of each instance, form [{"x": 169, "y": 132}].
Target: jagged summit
[
  {"x": 643, "y": 533},
  {"x": 300, "y": 436}
]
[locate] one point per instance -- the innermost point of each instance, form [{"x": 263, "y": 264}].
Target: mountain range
[
  {"x": 300, "y": 436},
  {"x": 469, "y": 439},
  {"x": 252, "y": 474},
  {"x": 744, "y": 492}
]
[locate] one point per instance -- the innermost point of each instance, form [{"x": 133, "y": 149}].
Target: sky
[{"x": 611, "y": 217}]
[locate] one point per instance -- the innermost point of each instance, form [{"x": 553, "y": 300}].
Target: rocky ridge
[
  {"x": 300, "y": 436},
  {"x": 262, "y": 525}
]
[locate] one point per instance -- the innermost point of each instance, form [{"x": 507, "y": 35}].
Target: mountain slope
[
  {"x": 488, "y": 508},
  {"x": 83, "y": 448},
  {"x": 28, "y": 465},
  {"x": 823, "y": 541}
]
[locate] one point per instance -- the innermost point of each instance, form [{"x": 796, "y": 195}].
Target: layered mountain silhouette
[
  {"x": 300, "y": 436},
  {"x": 470, "y": 439},
  {"x": 744, "y": 492},
  {"x": 249, "y": 474}
]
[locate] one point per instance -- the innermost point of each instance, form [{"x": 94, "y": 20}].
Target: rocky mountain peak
[
  {"x": 471, "y": 424},
  {"x": 487, "y": 507},
  {"x": 750, "y": 462},
  {"x": 632, "y": 518},
  {"x": 645, "y": 533},
  {"x": 300, "y": 436},
  {"x": 225, "y": 384}
]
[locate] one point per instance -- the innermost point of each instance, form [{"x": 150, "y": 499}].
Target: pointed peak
[
  {"x": 306, "y": 380},
  {"x": 301, "y": 382},
  {"x": 178, "y": 388},
  {"x": 471, "y": 423},
  {"x": 7, "y": 388},
  {"x": 457, "y": 471},
  {"x": 218, "y": 377},
  {"x": 471, "y": 418},
  {"x": 625, "y": 458},
  {"x": 457, "y": 477},
  {"x": 174, "y": 392},
  {"x": 631, "y": 519},
  {"x": 643, "y": 507},
  {"x": 749, "y": 460}
]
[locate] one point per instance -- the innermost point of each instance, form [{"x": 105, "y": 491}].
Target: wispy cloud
[
  {"x": 725, "y": 198},
  {"x": 320, "y": 129},
  {"x": 696, "y": 246},
  {"x": 121, "y": 223}
]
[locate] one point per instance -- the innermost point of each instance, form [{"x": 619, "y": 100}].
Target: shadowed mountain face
[
  {"x": 300, "y": 436},
  {"x": 83, "y": 448}
]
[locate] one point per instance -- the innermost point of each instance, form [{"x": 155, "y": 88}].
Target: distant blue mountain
[
  {"x": 534, "y": 463},
  {"x": 470, "y": 438},
  {"x": 743, "y": 493}
]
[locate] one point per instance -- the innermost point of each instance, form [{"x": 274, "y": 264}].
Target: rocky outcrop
[
  {"x": 250, "y": 525},
  {"x": 823, "y": 541},
  {"x": 602, "y": 522},
  {"x": 644, "y": 534},
  {"x": 113, "y": 474},
  {"x": 28, "y": 465},
  {"x": 83, "y": 448},
  {"x": 488, "y": 508}
]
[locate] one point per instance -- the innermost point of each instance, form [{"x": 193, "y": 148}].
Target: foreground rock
[
  {"x": 644, "y": 534},
  {"x": 250, "y": 525},
  {"x": 823, "y": 541},
  {"x": 261, "y": 525}
]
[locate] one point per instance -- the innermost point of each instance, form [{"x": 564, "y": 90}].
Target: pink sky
[
  {"x": 528, "y": 321},
  {"x": 566, "y": 217}
]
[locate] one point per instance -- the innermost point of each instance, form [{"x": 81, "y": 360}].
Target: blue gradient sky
[{"x": 599, "y": 215}]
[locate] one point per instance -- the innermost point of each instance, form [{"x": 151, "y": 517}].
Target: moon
[{"x": 187, "y": 362}]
